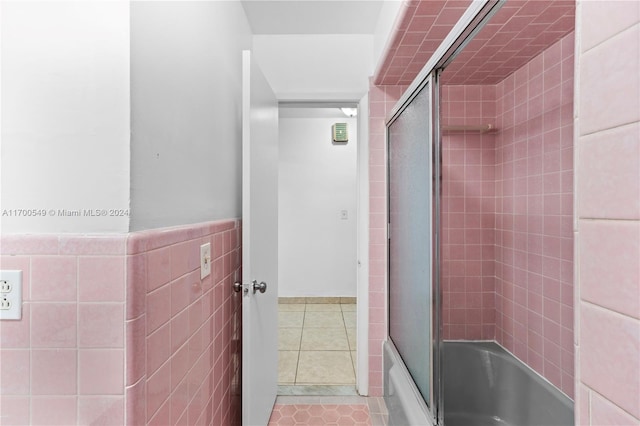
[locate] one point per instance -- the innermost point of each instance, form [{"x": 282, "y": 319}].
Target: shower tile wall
[
  {"x": 507, "y": 214},
  {"x": 534, "y": 213},
  {"x": 468, "y": 214},
  {"x": 121, "y": 330}
]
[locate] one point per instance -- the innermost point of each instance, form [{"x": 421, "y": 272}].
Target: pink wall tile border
[
  {"x": 81, "y": 350},
  {"x": 183, "y": 342}
]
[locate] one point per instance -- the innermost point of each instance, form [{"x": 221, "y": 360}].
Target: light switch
[{"x": 205, "y": 260}]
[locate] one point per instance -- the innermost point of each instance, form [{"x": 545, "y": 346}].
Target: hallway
[{"x": 317, "y": 345}]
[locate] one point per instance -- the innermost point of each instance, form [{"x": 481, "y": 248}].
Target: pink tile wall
[
  {"x": 63, "y": 363},
  {"x": 534, "y": 211},
  {"x": 468, "y": 214},
  {"x": 607, "y": 226},
  {"x": 419, "y": 29},
  {"x": 507, "y": 214},
  {"x": 121, "y": 330},
  {"x": 381, "y": 101},
  {"x": 183, "y": 333}
]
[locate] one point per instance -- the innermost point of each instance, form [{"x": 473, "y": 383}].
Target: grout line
[
  {"x": 304, "y": 315},
  {"x": 344, "y": 327}
]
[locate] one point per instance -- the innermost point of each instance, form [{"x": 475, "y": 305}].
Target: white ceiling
[
  {"x": 313, "y": 112},
  {"x": 268, "y": 17}
]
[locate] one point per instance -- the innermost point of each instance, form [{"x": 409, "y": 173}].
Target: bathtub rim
[{"x": 391, "y": 355}]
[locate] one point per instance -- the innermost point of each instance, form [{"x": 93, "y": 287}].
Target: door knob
[
  {"x": 262, "y": 287},
  {"x": 237, "y": 287}
]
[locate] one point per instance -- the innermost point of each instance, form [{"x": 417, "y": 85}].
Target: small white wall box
[{"x": 340, "y": 133}]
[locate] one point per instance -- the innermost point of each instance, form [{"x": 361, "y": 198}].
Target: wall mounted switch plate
[{"x": 205, "y": 260}]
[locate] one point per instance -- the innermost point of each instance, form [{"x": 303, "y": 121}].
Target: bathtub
[{"x": 486, "y": 385}]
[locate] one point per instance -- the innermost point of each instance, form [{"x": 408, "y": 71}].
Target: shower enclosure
[
  {"x": 413, "y": 262},
  {"x": 477, "y": 185}
]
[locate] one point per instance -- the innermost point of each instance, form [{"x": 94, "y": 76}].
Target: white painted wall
[
  {"x": 317, "y": 179},
  {"x": 65, "y": 115},
  {"x": 389, "y": 13},
  {"x": 186, "y": 65},
  {"x": 316, "y": 66}
]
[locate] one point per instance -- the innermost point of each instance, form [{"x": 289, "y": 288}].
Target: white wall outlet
[
  {"x": 205, "y": 260},
  {"x": 10, "y": 295}
]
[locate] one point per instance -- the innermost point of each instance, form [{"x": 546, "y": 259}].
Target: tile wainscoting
[{"x": 120, "y": 329}]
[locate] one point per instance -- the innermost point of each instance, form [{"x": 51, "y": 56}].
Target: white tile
[
  {"x": 349, "y": 319},
  {"x": 323, "y": 319},
  {"x": 287, "y": 366},
  {"x": 348, "y": 307},
  {"x": 289, "y": 338},
  {"x": 323, "y": 307},
  {"x": 325, "y": 367},
  {"x": 290, "y": 319},
  {"x": 320, "y": 339}
]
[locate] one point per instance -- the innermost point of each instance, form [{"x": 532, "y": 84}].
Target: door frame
[
  {"x": 362, "y": 273},
  {"x": 362, "y": 227}
]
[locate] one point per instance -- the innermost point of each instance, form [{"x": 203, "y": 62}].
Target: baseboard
[{"x": 316, "y": 300}]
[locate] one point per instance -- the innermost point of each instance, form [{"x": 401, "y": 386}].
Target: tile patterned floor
[
  {"x": 317, "y": 343},
  {"x": 330, "y": 414},
  {"x": 339, "y": 411}
]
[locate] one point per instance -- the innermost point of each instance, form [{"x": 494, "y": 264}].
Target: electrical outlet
[
  {"x": 205, "y": 260},
  {"x": 10, "y": 295},
  {"x": 344, "y": 214},
  {"x": 5, "y": 304}
]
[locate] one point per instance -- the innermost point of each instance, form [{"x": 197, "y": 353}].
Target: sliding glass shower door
[{"x": 411, "y": 238}]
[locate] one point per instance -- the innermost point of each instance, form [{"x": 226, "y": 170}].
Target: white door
[{"x": 259, "y": 245}]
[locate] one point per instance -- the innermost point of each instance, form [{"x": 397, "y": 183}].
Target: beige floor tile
[
  {"x": 289, "y": 338},
  {"x": 283, "y": 300},
  {"x": 349, "y": 319},
  {"x": 323, "y": 319},
  {"x": 323, "y": 307},
  {"x": 352, "y": 338},
  {"x": 291, "y": 307},
  {"x": 324, "y": 339},
  {"x": 325, "y": 368},
  {"x": 290, "y": 319},
  {"x": 287, "y": 366},
  {"x": 348, "y": 307},
  {"x": 314, "y": 300}
]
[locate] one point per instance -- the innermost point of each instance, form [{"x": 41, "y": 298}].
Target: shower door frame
[
  {"x": 472, "y": 21},
  {"x": 427, "y": 83}
]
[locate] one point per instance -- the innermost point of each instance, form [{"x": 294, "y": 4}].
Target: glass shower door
[{"x": 411, "y": 239}]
